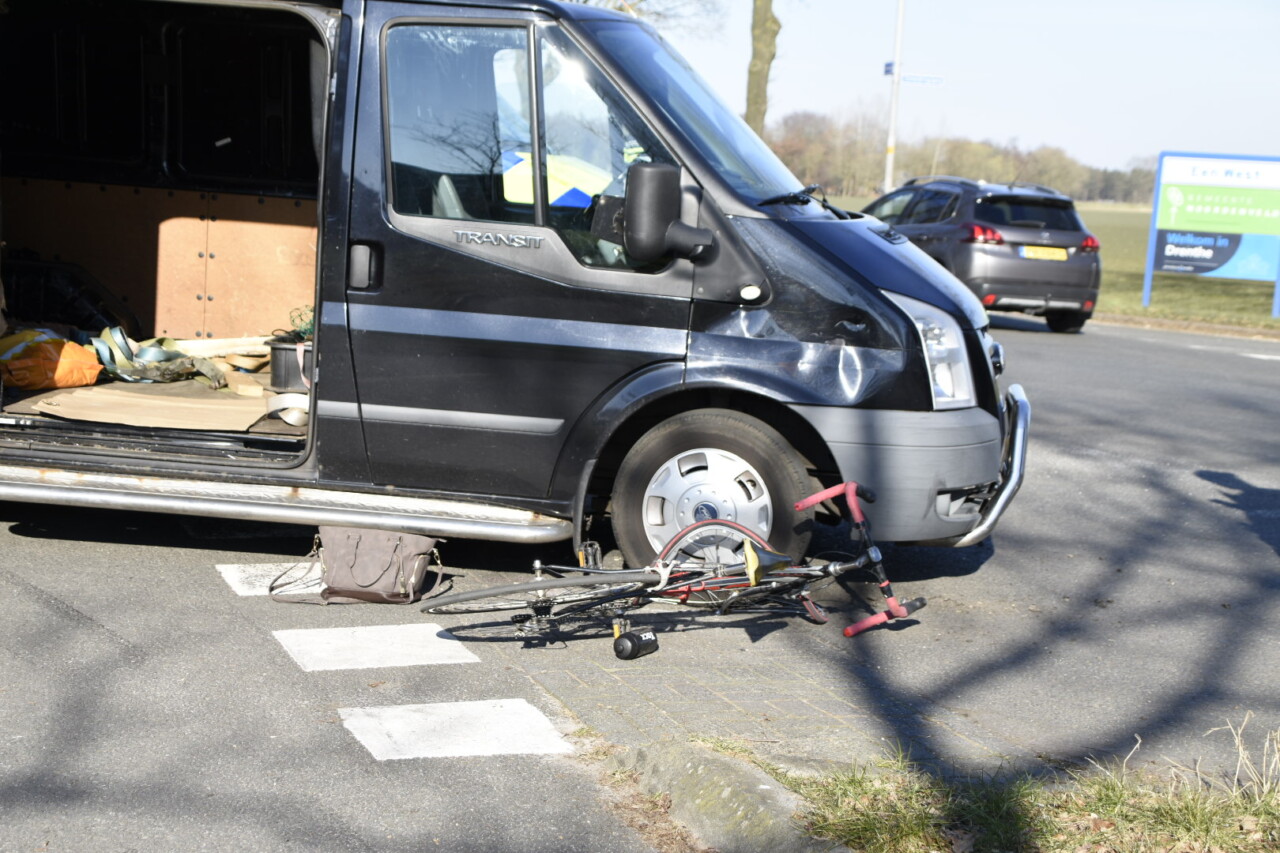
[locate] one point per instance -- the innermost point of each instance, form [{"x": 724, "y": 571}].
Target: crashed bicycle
[{"x": 714, "y": 564}]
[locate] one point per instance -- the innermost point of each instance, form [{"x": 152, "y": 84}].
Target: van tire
[{"x": 710, "y": 463}]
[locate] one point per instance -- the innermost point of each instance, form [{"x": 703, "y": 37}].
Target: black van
[{"x": 552, "y": 279}]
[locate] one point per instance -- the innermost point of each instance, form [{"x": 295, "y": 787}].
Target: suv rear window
[{"x": 1027, "y": 213}]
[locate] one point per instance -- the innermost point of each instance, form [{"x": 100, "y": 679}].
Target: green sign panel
[{"x": 1229, "y": 210}]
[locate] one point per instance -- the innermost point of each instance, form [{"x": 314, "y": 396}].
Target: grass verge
[
  {"x": 1123, "y": 233},
  {"x": 897, "y": 807}
]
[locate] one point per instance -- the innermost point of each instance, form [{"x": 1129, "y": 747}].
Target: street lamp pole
[{"x": 893, "y": 102}]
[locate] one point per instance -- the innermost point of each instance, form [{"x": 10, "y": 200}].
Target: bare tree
[{"x": 765, "y": 27}]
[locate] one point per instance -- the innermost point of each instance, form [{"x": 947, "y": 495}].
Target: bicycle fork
[{"x": 851, "y": 492}]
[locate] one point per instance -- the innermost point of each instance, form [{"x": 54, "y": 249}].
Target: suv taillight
[
  {"x": 981, "y": 234},
  {"x": 1090, "y": 244}
]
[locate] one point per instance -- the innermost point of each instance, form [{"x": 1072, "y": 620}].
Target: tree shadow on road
[
  {"x": 1130, "y": 580},
  {"x": 1261, "y": 507}
]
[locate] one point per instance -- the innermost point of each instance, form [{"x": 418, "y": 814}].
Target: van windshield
[{"x": 723, "y": 139}]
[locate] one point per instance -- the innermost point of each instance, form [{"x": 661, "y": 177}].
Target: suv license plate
[{"x": 1043, "y": 253}]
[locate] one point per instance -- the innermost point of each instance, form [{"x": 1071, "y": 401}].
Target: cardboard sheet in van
[{"x": 178, "y": 405}]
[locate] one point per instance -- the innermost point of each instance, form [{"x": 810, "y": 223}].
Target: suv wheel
[{"x": 1065, "y": 321}]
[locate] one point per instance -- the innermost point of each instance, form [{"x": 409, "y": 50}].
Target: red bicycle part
[
  {"x": 880, "y": 618},
  {"x": 851, "y": 491}
]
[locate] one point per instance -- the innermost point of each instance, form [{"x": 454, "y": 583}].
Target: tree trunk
[{"x": 764, "y": 46}]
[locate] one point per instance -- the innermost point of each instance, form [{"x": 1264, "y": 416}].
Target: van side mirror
[{"x": 652, "y": 229}]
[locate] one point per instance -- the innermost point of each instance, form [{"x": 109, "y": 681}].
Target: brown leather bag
[{"x": 379, "y": 566}]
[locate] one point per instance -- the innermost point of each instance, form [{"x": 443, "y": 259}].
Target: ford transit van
[{"x": 524, "y": 274}]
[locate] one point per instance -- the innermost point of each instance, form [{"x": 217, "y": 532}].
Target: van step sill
[{"x": 284, "y": 504}]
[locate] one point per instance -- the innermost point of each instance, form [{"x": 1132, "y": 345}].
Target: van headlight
[{"x": 944, "y": 347}]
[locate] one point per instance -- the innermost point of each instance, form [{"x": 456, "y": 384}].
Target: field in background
[{"x": 1123, "y": 230}]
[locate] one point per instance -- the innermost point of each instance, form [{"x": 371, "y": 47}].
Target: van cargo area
[{"x": 159, "y": 176}]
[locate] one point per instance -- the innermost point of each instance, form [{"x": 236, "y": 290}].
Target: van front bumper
[{"x": 943, "y": 477}]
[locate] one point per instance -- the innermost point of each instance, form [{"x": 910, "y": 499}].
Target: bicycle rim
[
  {"x": 711, "y": 542},
  {"x": 715, "y": 591},
  {"x": 550, "y": 591}
]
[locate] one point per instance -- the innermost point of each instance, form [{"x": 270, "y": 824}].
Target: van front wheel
[{"x": 710, "y": 463}]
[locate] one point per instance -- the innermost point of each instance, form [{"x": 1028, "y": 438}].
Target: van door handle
[{"x": 360, "y": 273}]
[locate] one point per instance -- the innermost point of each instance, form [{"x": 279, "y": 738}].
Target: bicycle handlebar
[
  {"x": 851, "y": 491},
  {"x": 895, "y": 611}
]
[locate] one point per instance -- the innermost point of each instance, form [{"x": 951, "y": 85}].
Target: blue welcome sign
[{"x": 1216, "y": 215}]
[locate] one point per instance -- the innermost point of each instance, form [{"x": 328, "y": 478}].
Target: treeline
[{"x": 847, "y": 158}]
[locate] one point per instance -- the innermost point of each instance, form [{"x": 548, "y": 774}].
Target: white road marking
[
  {"x": 254, "y": 579},
  {"x": 453, "y": 729},
  {"x": 418, "y": 644},
  {"x": 1261, "y": 356},
  {"x": 441, "y": 730}
]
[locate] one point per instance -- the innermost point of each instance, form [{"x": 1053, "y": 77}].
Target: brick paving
[{"x": 790, "y": 691}]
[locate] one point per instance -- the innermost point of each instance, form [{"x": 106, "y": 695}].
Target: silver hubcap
[
  {"x": 721, "y": 545},
  {"x": 700, "y": 484}
]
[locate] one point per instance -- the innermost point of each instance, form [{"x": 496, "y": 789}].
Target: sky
[{"x": 1111, "y": 83}]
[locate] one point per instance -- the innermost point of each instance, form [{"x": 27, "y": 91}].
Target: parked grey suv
[{"x": 1019, "y": 247}]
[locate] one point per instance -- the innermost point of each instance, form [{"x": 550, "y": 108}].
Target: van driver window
[
  {"x": 592, "y": 137},
  {"x": 458, "y": 105}
]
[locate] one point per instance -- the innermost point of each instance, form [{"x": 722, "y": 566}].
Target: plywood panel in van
[
  {"x": 142, "y": 244},
  {"x": 181, "y": 265},
  {"x": 262, "y": 263}
]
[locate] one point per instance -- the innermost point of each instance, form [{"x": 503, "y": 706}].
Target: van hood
[{"x": 881, "y": 257}]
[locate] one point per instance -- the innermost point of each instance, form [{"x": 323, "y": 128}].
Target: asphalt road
[
  {"x": 144, "y": 705},
  {"x": 1131, "y": 592}
]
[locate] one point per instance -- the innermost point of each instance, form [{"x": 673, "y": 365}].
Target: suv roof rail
[
  {"x": 1040, "y": 187},
  {"x": 924, "y": 179}
]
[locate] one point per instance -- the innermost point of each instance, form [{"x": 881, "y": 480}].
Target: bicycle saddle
[{"x": 759, "y": 562}]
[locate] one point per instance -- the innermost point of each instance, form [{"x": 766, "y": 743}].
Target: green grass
[
  {"x": 896, "y": 807},
  {"x": 1124, "y": 231}
]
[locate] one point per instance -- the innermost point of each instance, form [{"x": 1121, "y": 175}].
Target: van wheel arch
[{"x": 796, "y": 435}]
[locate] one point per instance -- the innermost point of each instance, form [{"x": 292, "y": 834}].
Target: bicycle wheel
[
  {"x": 711, "y": 542},
  {"x": 551, "y": 591}
]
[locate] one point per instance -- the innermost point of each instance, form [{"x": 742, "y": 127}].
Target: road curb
[{"x": 730, "y": 805}]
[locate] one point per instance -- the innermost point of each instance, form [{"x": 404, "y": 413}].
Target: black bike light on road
[{"x": 635, "y": 644}]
